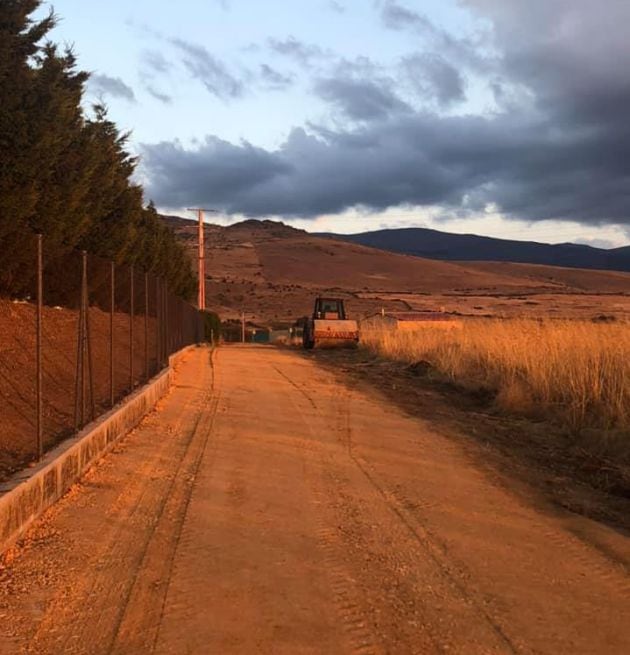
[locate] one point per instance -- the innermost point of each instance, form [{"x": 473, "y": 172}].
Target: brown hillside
[
  {"x": 272, "y": 272},
  {"x": 579, "y": 279}
]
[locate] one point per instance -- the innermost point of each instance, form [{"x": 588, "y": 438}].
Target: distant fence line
[{"x": 84, "y": 334}]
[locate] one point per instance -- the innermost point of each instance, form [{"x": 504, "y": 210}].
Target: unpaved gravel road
[{"x": 267, "y": 508}]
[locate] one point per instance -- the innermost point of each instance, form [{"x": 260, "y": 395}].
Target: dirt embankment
[{"x": 59, "y": 357}]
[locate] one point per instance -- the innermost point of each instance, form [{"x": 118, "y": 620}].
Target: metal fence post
[
  {"x": 83, "y": 349},
  {"x": 38, "y": 346},
  {"x": 82, "y": 319},
  {"x": 178, "y": 318},
  {"x": 146, "y": 326},
  {"x": 161, "y": 306},
  {"x": 83, "y": 366},
  {"x": 131, "y": 312},
  {"x": 88, "y": 336},
  {"x": 167, "y": 331},
  {"x": 176, "y": 331},
  {"x": 157, "y": 325},
  {"x": 78, "y": 369},
  {"x": 112, "y": 303},
  {"x": 83, "y": 336}
]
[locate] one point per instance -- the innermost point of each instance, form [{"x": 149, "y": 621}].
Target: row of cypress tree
[{"x": 66, "y": 172}]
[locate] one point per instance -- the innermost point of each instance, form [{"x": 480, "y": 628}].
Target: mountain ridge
[{"x": 447, "y": 246}]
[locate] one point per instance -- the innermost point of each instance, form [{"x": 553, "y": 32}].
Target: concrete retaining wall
[{"x": 25, "y": 496}]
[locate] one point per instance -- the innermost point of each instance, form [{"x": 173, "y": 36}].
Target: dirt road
[{"x": 266, "y": 508}]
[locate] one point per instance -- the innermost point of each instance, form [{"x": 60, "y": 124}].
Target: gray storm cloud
[
  {"x": 555, "y": 147},
  {"x": 360, "y": 99},
  {"x": 434, "y": 77}
]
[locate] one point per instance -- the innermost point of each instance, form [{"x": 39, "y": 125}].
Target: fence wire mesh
[{"x": 105, "y": 330}]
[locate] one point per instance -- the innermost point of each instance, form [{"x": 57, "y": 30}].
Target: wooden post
[{"x": 201, "y": 300}]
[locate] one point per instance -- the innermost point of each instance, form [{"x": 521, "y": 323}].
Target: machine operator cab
[{"x": 329, "y": 309}]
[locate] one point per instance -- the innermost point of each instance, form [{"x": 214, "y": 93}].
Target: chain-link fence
[{"x": 77, "y": 335}]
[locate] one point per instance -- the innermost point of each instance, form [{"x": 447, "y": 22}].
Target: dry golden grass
[{"x": 577, "y": 371}]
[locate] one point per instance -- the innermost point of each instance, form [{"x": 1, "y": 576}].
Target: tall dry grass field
[{"x": 577, "y": 371}]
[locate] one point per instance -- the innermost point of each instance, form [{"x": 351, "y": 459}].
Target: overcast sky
[{"x": 499, "y": 117}]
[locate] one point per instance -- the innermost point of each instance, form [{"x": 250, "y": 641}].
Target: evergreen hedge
[{"x": 65, "y": 172}]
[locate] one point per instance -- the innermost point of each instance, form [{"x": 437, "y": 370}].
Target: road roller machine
[{"x": 329, "y": 327}]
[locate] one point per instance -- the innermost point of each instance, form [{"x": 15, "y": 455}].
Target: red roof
[{"x": 420, "y": 316}]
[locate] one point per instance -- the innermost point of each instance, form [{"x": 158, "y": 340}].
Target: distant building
[{"x": 409, "y": 321}]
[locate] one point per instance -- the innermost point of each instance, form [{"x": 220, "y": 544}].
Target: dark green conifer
[{"x": 65, "y": 175}]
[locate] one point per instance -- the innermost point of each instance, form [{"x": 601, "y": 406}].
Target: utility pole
[{"x": 201, "y": 295}]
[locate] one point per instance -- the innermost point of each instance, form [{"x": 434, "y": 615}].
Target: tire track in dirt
[
  {"x": 603, "y": 572},
  {"x": 346, "y": 596},
  {"x": 67, "y": 628},
  {"x": 585, "y": 565},
  {"x": 390, "y": 562},
  {"x": 295, "y": 385},
  {"x": 136, "y": 513},
  {"x": 138, "y": 626},
  {"x": 436, "y": 551},
  {"x": 248, "y": 577}
]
